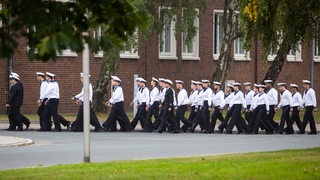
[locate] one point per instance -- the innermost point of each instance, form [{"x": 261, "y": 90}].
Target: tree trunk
[
  {"x": 229, "y": 27},
  {"x": 276, "y": 67},
  {"x": 102, "y": 88}
]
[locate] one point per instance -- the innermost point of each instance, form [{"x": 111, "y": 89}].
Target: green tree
[{"x": 281, "y": 25}]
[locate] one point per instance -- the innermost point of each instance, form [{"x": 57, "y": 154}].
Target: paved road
[{"x": 52, "y": 148}]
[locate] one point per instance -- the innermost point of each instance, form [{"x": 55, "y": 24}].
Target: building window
[
  {"x": 239, "y": 53},
  {"x": 295, "y": 55},
  {"x": 190, "y": 49},
  {"x": 218, "y": 34},
  {"x": 316, "y": 56},
  {"x": 167, "y": 41}
]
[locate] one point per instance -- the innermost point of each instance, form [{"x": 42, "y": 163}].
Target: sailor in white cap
[
  {"x": 162, "y": 93},
  {"x": 168, "y": 110},
  {"x": 198, "y": 108},
  {"x": 153, "y": 105},
  {"x": 218, "y": 104},
  {"x": 286, "y": 104},
  {"x": 248, "y": 96},
  {"x": 207, "y": 103},
  {"x": 310, "y": 103},
  {"x": 273, "y": 101},
  {"x": 143, "y": 99},
  {"x": 41, "y": 102},
  {"x": 261, "y": 109},
  {"x": 254, "y": 104},
  {"x": 182, "y": 106},
  {"x": 116, "y": 103},
  {"x": 52, "y": 95},
  {"x": 14, "y": 103},
  {"x": 228, "y": 96},
  {"x": 77, "y": 125},
  {"x": 297, "y": 107},
  {"x": 193, "y": 101}
]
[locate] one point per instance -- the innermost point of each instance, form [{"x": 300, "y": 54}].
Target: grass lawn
[{"x": 288, "y": 164}]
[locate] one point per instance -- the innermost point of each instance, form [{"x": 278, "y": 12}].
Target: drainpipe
[
  {"x": 256, "y": 59},
  {"x": 10, "y": 57},
  {"x": 311, "y": 62}
]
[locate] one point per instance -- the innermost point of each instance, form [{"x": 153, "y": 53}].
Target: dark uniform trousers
[
  {"x": 270, "y": 117},
  {"x": 52, "y": 109},
  {"x": 153, "y": 111},
  {"x": 42, "y": 115},
  {"x": 167, "y": 119},
  {"x": 77, "y": 125},
  {"x": 308, "y": 117},
  {"x": 15, "y": 118},
  {"x": 141, "y": 115},
  {"x": 260, "y": 116},
  {"x": 285, "y": 117},
  {"x": 193, "y": 114},
  {"x": 217, "y": 114},
  {"x": 111, "y": 126},
  {"x": 118, "y": 113},
  {"x": 295, "y": 117},
  {"x": 205, "y": 113},
  {"x": 248, "y": 115},
  {"x": 180, "y": 116},
  {"x": 236, "y": 117},
  {"x": 224, "y": 123}
]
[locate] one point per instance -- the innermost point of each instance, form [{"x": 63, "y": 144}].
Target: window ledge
[
  {"x": 168, "y": 57},
  {"x": 68, "y": 53},
  {"x": 129, "y": 56},
  {"x": 242, "y": 58},
  {"x": 99, "y": 54},
  {"x": 192, "y": 58},
  {"x": 216, "y": 57},
  {"x": 294, "y": 60},
  {"x": 316, "y": 59}
]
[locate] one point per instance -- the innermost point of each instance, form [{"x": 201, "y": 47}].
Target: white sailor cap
[
  {"x": 155, "y": 80},
  {"x": 247, "y": 83},
  {"x": 179, "y": 82},
  {"x": 236, "y": 84},
  {"x": 230, "y": 85},
  {"x": 281, "y": 84},
  {"x": 39, "y": 73},
  {"x": 262, "y": 86},
  {"x": 138, "y": 78},
  {"x": 50, "y": 74},
  {"x": 193, "y": 82},
  {"x": 294, "y": 85},
  {"x": 205, "y": 81},
  {"x": 116, "y": 78},
  {"x": 306, "y": 81},
  {"x": 82, "y": 75},
  {"x": 256, "y": 85},
  {"x": 199, "y": 83},
  {"x": 217, "y": 83},
  {"x": 161, "y": 79},
  {"x": 168, "y": 81},
  {"x": 268, "y": 81},
  {"x": 14, "y": 76},
  {"x": 142, "y": 80}
]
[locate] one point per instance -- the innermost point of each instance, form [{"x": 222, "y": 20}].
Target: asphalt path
[{"x": 52, "y": 148}]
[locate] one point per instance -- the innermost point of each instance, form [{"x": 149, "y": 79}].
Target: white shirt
[
  {"x": 193, "y": 97},
  {"x": 144, "y": 95},
  {"x": 238, "y": 99},
  {"x": 228, "y": 98},
  {"x": 52, "y": 91},
  {"x": 218, "y": 99},
  {"x": 183, "y": 97},
  {"x": 43, "y": 88},
  {"x": 309, "y": 98},
  {"x": 117, "y": 95},
  {"x": 297, "y": 100},
  {"x": 200, "y": 97},
  {"x": 80, "y": 96},
  {"x": 137, "y": 97},
  {"x": 207, "y": 95},
  {"x": 162, "y": 94},
  {"x": 254, "y": 101},
  {"x": 249, "y": 97},
  {"x": 285, "y": 99},
  {"x": 273, "y": 96},
  {"x": 263, "y": 100},
  {"x": 154, "y": 95}
]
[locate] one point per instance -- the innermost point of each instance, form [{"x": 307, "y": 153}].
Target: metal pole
[
  {"x": 86, "y": 103},
  {"x": 135, "y": 76}
]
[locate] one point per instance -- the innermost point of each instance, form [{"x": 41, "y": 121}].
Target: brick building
[{"x": 169, "y": 58}]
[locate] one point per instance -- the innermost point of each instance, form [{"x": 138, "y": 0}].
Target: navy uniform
[
  {"x": 199, "y": 104},
  {"x": 116, "y": 103},
  {"x": 153, "y": 105},
  {"x": 254, "y": 105},
  {"x": 261, "y": 108},
  {"x": 168, "y": 109},
  {"x": 41, "y": 102},
  {"x": 193, "y": 101},
  {"x": 182, "y": 106},
  {"x": 297, "y": 106},
  {"x": 77, "y": 125},
  {"x": 248, "y": 98},
  {"x": 207, "y": 102},
  {"x": 273, "y": 102},
  {"x": 218, "y": 104},
  {"x": 143, "y": 97},
  {"x": 162, "y": 93},
  {"x": 286, "y": 105},
  {"x": 15, "y": 100},
  {"x": 228, "y": 97},
  {"x": 310, "y": 102}
]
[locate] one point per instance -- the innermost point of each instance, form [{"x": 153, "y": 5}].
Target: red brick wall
[{"x": 148, "y": 65}]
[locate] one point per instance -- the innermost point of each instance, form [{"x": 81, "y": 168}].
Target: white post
[
  {"x": 135, "y": 76},
  {"x": 86, "y": 103}
]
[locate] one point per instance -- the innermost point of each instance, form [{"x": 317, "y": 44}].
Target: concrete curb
[{"x": 9, "y": 141}]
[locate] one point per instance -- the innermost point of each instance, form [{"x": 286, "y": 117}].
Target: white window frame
[
  {"x": 238, "y": 56},
  {"x": 173, "y": 42},
  {"x": 297, "y": 56},
  {"x": 316, "y": 56},
  {"x": 195, "y": 43},
  {"x": 216, "y": 38}
]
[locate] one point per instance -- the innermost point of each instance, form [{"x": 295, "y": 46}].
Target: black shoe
[
  {"x": 148, "y": 131},
  {"x": 312, "y": 133},
  {"x": 184, "y": 128},
  {"x": 27, "y": 125},
  {"x": 229, "y": 132},
  {"x": 269, "y": 132},
  {"x": 57, "y": 130},
  {"x": 301, "y": 132},
  {"x": 220, "y": 130},
  {"x": 10, "y": 129},
  {"x": 278, "y": 132},
  {"x": 98, "y": 130}
]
